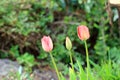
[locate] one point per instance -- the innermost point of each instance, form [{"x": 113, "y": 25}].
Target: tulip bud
[
  {"x": 83, "y": 32},
  {"x": 47, "y": 44},
  {"x": 68, "y": 43}
]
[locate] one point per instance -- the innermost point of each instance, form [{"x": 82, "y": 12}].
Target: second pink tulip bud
[{"x": 83, "y": 32}]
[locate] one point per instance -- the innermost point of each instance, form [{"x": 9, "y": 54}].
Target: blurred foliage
[
  {"x": 24, "y": 22},
  {"x": 27, "y": 60},
  {"x": 110, "y": 69},
  {"x": 114, "y": 54}
]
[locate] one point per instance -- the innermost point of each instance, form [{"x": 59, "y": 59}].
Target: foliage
[
  {"x": 24, "y": 22},
  {"x": 108, "y": 68},
  {"x": 27, "y": 60},
  {"x": 14, "y": 51},
  {"x": 114, "y": 54}
]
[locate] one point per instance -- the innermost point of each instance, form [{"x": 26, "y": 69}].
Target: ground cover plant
[{"x": 23, "y": 23}]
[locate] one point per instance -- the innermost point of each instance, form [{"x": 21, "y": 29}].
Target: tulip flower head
[
  {"x": 68, "y": 43},
  {"x": 83, "y": 32},
  {"x": 47, "y": 43}
]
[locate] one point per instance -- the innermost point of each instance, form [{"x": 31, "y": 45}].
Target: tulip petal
[
  {"x": 83, "y": 32},
  {"x": 47, "y": 43}
]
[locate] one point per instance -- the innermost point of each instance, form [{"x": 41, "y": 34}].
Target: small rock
[{"x": 7, "y": 66}]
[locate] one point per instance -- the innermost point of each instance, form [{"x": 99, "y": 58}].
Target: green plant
[
  {"x": 69, "y": 47},
  {"x": 82, "y": 74},
  {"x": 114, "y": 54},
  {"x": 27, "y": 60},
  {"x": 53, "y": 61},
  {"x": 42, "y": 54},
  {"x": 106, "y": 70},
  {"x": 72, "y": 74},
  {"x": 14, "y": 52}
]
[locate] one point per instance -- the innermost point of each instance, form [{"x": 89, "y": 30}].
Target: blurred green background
[{"x": 24, "y": 22}]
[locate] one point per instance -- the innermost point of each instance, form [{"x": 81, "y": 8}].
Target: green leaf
[
  {"x": 27, "y": 59},
  {"x": 62, "y": 77},
  {"x": 82, "y": 74},
  {"x": 72, "y": 74},
  {"x": 14, "y": 51}
]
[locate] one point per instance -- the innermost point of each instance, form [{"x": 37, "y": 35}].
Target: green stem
[
  {"x": 53, "y": 61},
  {"x": 71, "y": 60},
  {"x": 87, "y": 59}
]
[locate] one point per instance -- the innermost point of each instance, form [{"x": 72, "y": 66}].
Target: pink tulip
[
  {"x": 83, "y": 32},
  {"x": 47, "y": 44}
]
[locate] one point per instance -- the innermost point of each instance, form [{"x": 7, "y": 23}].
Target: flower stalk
[
  {"x": 53, "y": 61},
  {"x": 83, "y": 34},
  {"x": 87, "y": 59},
  {"x": 69, "y": 47},
  {"x": 71, "y": 60},
  {"x": 47, "y": 46}
]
